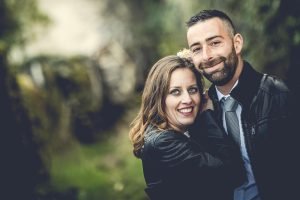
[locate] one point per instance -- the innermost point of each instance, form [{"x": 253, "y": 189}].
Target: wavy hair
[{"x": 152, "y": 109}]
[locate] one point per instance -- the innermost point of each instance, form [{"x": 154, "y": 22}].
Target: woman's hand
[{"x": 206, "y": 102}]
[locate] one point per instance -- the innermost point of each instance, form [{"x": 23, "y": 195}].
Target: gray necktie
[{"x": 232, "y": 123}]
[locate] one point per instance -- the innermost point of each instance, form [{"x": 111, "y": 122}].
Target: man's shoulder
[{"x": 273, "y": 84}]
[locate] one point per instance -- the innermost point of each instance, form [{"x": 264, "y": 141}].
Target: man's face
[{"x": 213, "y": 51}]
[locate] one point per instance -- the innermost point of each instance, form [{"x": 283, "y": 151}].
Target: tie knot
[{"x": 229, "y": 104}]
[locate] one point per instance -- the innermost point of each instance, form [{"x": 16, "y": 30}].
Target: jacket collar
[{"x": 247, "y": 87}]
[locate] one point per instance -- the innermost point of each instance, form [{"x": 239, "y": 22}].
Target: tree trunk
[{"x": 21, "y": 165}]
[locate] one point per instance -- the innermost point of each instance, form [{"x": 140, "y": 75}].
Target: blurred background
[{"x": 72, "y": 72}]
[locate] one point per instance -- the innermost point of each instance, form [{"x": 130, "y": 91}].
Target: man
[{"x": 264, "y": 108}]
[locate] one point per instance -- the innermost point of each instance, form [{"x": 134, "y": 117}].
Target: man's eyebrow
[
  {"x": 213, "y": 37},
  {"x": 207, "y": 40},
  {"x": 194, "y": 44}
]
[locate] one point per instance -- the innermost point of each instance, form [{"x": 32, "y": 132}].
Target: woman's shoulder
[
  {"x": 155, "y": 136},
  {"x": 157, "y": 139}
]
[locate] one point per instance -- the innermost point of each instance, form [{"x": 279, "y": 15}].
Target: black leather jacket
[
  {"x": 268, "y": 117},
  {"x": 203, "y": 166}
]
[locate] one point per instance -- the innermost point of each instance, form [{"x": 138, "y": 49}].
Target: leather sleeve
[
  {"x": 171, "y": 158},
  {"x": 174, "y": 149},
  {"x": 214, "y": 138}
]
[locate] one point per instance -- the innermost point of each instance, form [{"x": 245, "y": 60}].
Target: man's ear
[{"x": 238, "y": 43}]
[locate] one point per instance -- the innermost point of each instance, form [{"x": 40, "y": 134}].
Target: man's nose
[{"x": 206, "y": 53}]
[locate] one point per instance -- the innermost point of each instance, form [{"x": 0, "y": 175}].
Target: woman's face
[{"x": 182, "y": 100}]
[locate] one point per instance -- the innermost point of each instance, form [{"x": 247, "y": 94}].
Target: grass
[{"x": 104, "y": 170}]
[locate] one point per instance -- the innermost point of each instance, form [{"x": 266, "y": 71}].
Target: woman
[{"x": 180, "y": 160}]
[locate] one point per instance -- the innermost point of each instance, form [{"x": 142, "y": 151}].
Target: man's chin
[{"x": 217, "y": 78}]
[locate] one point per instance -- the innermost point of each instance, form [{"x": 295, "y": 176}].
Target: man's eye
[
  {"x": 197, "y": 49},
  {"x": 215, "y": 43}
]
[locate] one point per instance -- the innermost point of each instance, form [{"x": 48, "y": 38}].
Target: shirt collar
[{"x": 220, "y": 95}]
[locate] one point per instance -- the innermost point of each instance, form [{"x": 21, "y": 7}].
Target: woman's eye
[
  {"x": 193, "y": 90},
  {"x": 175, "y": 92}
]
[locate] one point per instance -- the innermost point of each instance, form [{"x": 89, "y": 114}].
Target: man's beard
[{"x": 224, "y": 76}]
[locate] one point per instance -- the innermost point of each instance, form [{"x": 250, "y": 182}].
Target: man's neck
[{"x": 226, "y": 89}]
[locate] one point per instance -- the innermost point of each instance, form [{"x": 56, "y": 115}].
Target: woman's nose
[{"x": 186, "y": 98}]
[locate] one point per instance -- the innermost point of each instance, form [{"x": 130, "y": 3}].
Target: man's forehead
[{"x": 206, "y": 30}]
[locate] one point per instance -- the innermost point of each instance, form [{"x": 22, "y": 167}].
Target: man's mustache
[{"x": 212, "y": 62}]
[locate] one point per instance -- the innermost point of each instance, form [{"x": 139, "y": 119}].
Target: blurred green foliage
[
  {"x": 19, "y": 19},
  {"x": 106, "y": 168},
  {"x": 57, "y": 89}
]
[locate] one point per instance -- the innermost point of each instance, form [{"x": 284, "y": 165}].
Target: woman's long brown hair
[{"x": 152, "y": 110}]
